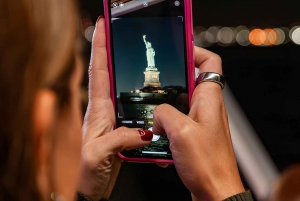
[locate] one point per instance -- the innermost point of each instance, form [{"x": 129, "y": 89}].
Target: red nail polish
[
  {"x": 99, "y": 18},
  {"x": 146, "y": 135}
]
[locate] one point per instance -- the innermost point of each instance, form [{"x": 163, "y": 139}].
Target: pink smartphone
[{"x": 151, "y": 61}]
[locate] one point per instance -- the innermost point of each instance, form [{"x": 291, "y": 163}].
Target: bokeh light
[
  {"x": 271, "y": 37},
  {"x": 87, "y": 26},
  {"x": 286, "y": 32},
  {"x": 240, "y": 28},
  {"x": 257, "y": 37},
  {"x": 280, "y": 36},
  {"x": 211, "y": 34},
  {"x": 89, "y": 32},
  {"x": 225, "y": 36},
  {"x": 295, "y": 35},
  {"x": 242, "y": 37},
  {"x": 200, "y": 37}
]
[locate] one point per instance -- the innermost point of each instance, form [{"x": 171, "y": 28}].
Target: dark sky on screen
[{"x": 166, "y": 36}]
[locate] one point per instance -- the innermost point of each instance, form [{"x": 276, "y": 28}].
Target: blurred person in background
[
  {"x": 46, "y": 153},
  {"x": 40, "y": 120}
]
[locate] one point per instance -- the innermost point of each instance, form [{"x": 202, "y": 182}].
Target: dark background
[{"x": 263, "y": 79}]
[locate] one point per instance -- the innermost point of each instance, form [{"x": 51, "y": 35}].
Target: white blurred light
[
  {"x": 295, "y": 35},
  {"x": 291, "y": 31},
  {"x": 225, "y": 35},
  {"x": 240, "y": 28},
  {"x": 242, "y": 37},
  {"x": 234, "y": 34},
  {"x": 89, "y": 32},
  {"x": 200, "y": 37},
  {"x": 204, "y": 42},
  {"x": 211, "y": 34},
  {"x": 286, "y": 33},
  {"x": 177, "y": 3},
  {"x": 145, "y": 4},
  {"x": 280, "y": 36}
]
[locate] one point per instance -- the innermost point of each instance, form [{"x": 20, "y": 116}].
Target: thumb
[
  {"x": 126, "y": 138},
  {"x": 168, "y": 120}
]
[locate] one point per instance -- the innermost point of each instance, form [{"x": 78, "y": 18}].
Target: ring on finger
[{"x": 211, "y": 77}]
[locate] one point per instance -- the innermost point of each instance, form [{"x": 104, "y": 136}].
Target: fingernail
[
  {"x": 146, "y": 135},
  {"x": 99, "y": 18}
]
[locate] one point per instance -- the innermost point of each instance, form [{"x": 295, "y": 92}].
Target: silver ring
[{"x": 211, "y": 77}]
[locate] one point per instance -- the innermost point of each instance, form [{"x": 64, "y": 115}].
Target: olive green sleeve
[{"x": 245, "y": 196}]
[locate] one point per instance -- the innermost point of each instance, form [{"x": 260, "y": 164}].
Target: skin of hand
[
  {"x": 99, "y": 164},
  {"x": 200, "y": 142},
  {"x": 287, "y": 186}
]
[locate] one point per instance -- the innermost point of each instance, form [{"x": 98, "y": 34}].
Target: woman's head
[{"x": 39, "y": 110}]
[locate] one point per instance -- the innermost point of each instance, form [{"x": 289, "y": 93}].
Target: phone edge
[{"x": 190, "y": 68}]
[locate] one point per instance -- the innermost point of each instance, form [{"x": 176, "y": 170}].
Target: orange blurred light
[
  {"x": 271, "y": 37},
  {"x": 252, "y": 36},
  {"x": 257, "y": 37}
]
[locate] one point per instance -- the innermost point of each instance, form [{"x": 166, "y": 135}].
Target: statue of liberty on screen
[{"x": 150, "y": 53}]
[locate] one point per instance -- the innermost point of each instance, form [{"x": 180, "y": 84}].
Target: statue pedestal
[
  {"x": 151, "y": 69},
  {"x": 151, "y": 77}
]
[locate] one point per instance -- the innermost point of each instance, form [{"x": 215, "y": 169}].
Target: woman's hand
[
  {"x": 100, "y": 165},
  {"x": 200, "y": 142}
]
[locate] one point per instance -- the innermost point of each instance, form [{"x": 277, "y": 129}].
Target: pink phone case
[{"x": 190, "y": 66}]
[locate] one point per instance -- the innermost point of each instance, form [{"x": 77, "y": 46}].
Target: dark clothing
[
  {"x": 81, "y": 197},
  {"x": 246, "y": 196}
]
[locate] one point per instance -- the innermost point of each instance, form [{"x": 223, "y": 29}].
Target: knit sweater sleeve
[
  {"x": 245, "y": 196},
  {"x": 82, "y": 197}
]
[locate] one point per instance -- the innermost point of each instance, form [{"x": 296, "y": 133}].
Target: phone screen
[{"x": 149, "y": 63}]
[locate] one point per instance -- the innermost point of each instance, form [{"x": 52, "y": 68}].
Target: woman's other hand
[
  {"x": 100, "y": 165},
  {"x": 200, "y": 142}
]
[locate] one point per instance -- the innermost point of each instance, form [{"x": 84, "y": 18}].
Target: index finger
[
  {"x": 99, "y": 118},
  {"x": 207, "y": 95},
  {"x": 99, "y": 87},
  {"x": 207, "y": 61}
]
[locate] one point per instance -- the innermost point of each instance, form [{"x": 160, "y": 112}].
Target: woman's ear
[{"x": 44, "y": 109}]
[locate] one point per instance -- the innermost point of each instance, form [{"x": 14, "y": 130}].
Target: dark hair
[{"x": 37, "y": 44}]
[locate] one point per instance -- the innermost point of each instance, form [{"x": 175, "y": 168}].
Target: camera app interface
[{"x": 150, "y": 69}]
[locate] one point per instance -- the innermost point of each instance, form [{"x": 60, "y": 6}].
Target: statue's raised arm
[{"x": 144, "y": 37}]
